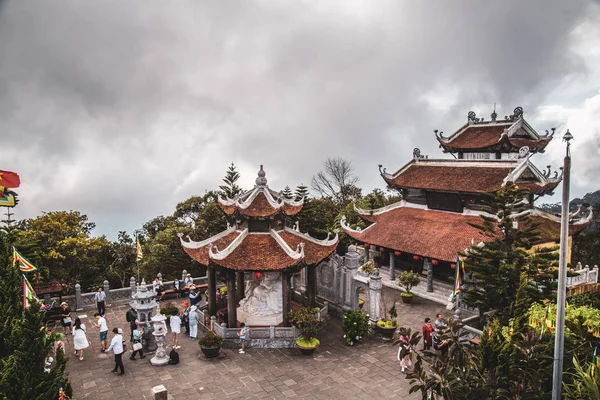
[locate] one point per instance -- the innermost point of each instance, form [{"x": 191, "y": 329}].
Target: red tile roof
[
  {"x": 477, "y": 136},
  {"x": 550, "y": 230},
  {"x": 435, "y": 234},
  {"x": 260, "y": 207},
  {"x": 201, "y": 254},
  {"x": 451, "y": 178},
  {"x": 535, "y": 188},
  {"x": 538, "y": 145},
  {"x": 313, "y": 252}
]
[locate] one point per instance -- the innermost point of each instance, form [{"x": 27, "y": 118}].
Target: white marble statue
[{"x": 264, "y": 298}]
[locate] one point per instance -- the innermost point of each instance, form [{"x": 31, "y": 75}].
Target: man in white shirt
[
  {"x": 100, "y": 301},
  {"x": 116, "y": 345},
  {"x": 188, "y": 281},
  {"x": 176, "y": 329},
  {"x": 103, "y": 330}
]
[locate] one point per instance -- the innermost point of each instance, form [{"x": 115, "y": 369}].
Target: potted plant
[
  {"x": 408, "y": 280},
  {"x": 356, "y": 325},
  {"x": 169, "y": 309},
  {"x": 210, "y": 344},
  {"x": 367, "y": 268},
  {"x": 307, "y": 321},
  {"x": 387, "y": 326}
]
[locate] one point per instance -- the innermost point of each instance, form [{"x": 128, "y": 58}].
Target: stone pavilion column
[
  {"x": 428, "y": 266},
  {"x": 212, "y": 291},
  {"x": 239, "y": 285},
  {"x": 351, "y": 264},
  {"x": 285, "y": 293},
  {"x": 375, "y": 297},
  {"x": 392, "y": 266},
  {"x": 231, "y": 300},
  {"x": 311, "y": 289}
]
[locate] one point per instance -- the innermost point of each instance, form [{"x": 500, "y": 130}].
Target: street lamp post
[{"x": 559, "y": 339}]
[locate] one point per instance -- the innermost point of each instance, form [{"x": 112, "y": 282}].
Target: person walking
[
  {"x": 101, "y": 324},
  {"x": 176, "y": 329},
  {"x": 404, "y": 354},
  {"x": 242, "y": 334},
  {"x": 427, "y": 331},
  {"x": 66, "y": 317},
  {"x": 116, "y": 345},
  {"x": 80, "y": 340},
  {"x": 193, "y": 319},
  {"x": 130, "y": 317},
  {"x": 185, "y": 319},
  {"x": 137, "y": 343},
  {"x": 100, "y": 301}
]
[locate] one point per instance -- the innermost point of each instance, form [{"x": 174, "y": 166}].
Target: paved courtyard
[{"x": 335, "y": 371}]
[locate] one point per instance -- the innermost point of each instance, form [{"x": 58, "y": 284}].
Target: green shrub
[
  {"x": 169, "y": 309},
  {"x": 307, "y": 321},
  {"x": 368, "y": 267},
  {"x": 210, "y": 340},
  {"x": 408, "y": 280},
  {"x": 356, "y": 325}
]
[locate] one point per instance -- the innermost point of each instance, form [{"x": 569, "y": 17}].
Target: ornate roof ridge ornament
[
  {"x": 417, "y": 154},
  {"x": 548, "y": 134},
  {"x": 261, "y": 180},
  {"x": 517, "y": 113},
  {"x": 587, "y": 219},
  {"x": 439, "y": 135},
  {"x": 472, "y": 117},
  {"x": 324, "y": 242},
  {"x": 190, "y": 244},
  {"x": 215, "y": 254},
  {"x": 298, "y": 254},
  {"x": 494, "y": 115}
]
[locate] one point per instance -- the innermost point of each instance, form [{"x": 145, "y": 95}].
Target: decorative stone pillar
[
  {"x": 107, "y": 291},
  {"x": 392, "y": 266},
  {"x": 132, "y": 285},
  {"x": 374, "y": 296},
  {"x": 428, "y": 267},
  {"x": 160, "y": 331},
  {"x": 231, "y": 300},
  {"x": 311, "y": 286},
  {"x": 212, "y": 291},
  {"x": 239, "y": 285},
  {"x": 78, "y": 299},
  {"x": 285, "y": 294},
  {"x": 351, "y": 265}
]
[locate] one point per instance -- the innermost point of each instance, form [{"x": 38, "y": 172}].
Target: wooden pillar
[
  {"x": 286, "y": 278},
  {"x": 231, "y": 300},
  {"x": 212, "y": 291},
  {"x": 239, "y": 285},
  {"x": 311, "y": 289},
  {"x": 392, "y": 266}
]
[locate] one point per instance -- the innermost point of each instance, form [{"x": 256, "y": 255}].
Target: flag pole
[
  {"x": 136, "y": 260},
  {"x": 559, "y": 340}
]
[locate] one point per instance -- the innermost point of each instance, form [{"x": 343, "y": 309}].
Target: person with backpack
[
  {"x": 130, "y": 316},
  {"x": 137, "y": 343}
]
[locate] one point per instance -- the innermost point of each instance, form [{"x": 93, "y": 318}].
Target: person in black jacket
[{"x": 131, "y": 316}]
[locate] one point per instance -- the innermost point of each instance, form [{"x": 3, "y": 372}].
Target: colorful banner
[
  {"x": 24, "y": 264},
  {"x": 546, "y": 324},
  {"x": 28, "y": 293},
  {"x": 457, "y": 281},
  {"x": 9, "y": 179},
  {"x": 140, "y": 255},
  {"x": 8, "y": 198}
]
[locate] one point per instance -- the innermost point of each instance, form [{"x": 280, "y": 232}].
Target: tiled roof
[
  {"x": 435, "y": 234},
  {"x": 313, "y": 252},
  {"x": 550, "y": 230},
  {"x": 477, "y": 136},
  {"x": 535, "y": 188},
  {"x": 532, "y": 144},
  {"x": 451, "y": 178},
  {"x": 201, "y": 254},
  {"x": 260, "y": 207},
  {"x": 290, "y": 210}
]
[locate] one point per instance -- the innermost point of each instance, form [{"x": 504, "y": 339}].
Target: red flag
[{"x": 9, "y": 179}]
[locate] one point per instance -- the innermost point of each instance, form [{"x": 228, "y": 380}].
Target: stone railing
[
  {"x": 81, "y": 301},
  {"x": 584, "y": 275}
]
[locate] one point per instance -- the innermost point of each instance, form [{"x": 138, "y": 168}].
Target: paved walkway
[{"x": 335, "y": 371}]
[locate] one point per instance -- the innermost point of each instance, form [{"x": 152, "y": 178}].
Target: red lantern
[
  {"x": 435, "y": 262},
  {"x": 367, "y": 245},
  {"x": 381, "y": 249},
  {"x": 397, "y": 252},
  {"x": 258, "y": 275},
  {"x": 453, "y": 266},
  {"x": 416, "y": 258}
]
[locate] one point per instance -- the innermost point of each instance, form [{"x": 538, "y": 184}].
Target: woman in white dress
[{"x": 80, "y": 340}]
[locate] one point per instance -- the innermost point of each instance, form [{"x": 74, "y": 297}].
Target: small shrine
[
  {"x": 258, "y": 254},
  {"x": 143, "y": 302}
]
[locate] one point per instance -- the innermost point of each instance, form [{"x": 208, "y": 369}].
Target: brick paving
[{"x": 335, "y": 371}]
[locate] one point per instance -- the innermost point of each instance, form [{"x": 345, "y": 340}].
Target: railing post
[
  {"x": 78, "y": 299},
  {"x": 272, "y": 331},
  {"x": 213, "y": 322},
  {"x": 107, "y": 291},
  {"x": 132, "y": 286}
]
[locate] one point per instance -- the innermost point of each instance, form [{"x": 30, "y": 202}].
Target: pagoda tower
[
  {"x": 440, "y": 197},
  {"x": 258, "y": 254}
]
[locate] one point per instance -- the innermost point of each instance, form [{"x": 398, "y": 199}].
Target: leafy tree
[
  {"x": 23, "y": 342},
  {"x": 337, "y": 181},
  {"x": 316, "y": 217},
  {"x": 301, "y": 193},
  {"x": 287, "y": 193},
  {"x": 123, "y": 253},
  {"x": 230, "y": 189}
]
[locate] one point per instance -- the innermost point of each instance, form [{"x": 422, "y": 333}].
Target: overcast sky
[{"x": 123, "y": 109}]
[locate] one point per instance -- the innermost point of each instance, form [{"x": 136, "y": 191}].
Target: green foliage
[
  {"x": 585, "y": 384},
  {"x": 287, "y": 193},
  {"x": 301, "y": 193},
  {"x": 307, "y": 320},
  {"x": 316, "y": 217},
  {"x": 210, "y": 340},
  {"x": 123, "y": 253},
  {"x": 408, "y": 280},
  {"x": 230, "y": 189},
  {"x": 585, "y": 299},
  {"x": 169, "y": 309},
  {"x": 355, "y": 325},
  {"x": 368, "y": 267}
]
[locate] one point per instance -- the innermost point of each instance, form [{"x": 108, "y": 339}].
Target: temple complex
[
  {"x": 427, "y": 229},
  {"x": 258, "y": 254}
]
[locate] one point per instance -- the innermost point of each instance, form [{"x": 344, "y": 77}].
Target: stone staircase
[{"x": 440, "y": 294}]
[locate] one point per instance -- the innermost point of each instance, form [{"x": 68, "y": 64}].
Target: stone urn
[{"x": 307, "y": 348}]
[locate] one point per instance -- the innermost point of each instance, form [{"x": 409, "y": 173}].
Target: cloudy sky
[{"x": 122, "y": 109}]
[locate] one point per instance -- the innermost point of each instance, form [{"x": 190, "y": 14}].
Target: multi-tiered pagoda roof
[{"x": 263, "y": 237}]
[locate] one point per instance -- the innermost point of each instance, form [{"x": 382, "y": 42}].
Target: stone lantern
[
  {"x": 159, "y": 333},
  {"x": 143, "y": 303}
]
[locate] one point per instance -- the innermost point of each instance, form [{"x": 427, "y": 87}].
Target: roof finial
[
  {"x": 494, "y": 115},
  {"x": 261, "y": 180}
]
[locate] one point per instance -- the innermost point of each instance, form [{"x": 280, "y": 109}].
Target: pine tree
[
  {"x": 287, "y": 193},
  {"x": 301, "y": 192},
  {"x": 230, "y": 189},
  {"x": 24, "y": 344},
  {"x": 496, "y": 267}
]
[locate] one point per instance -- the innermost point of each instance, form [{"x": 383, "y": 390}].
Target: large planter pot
[
  {"x": 407, "y": 298},
  {"x": 305, "y": 349},
  {"x": 386, "y": 333},
  {"x": 211, "y": 352}
]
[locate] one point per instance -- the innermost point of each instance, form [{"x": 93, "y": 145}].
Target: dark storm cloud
[{"x": 121, "y": 109}]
